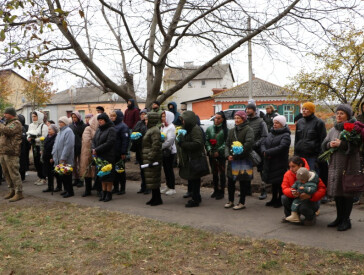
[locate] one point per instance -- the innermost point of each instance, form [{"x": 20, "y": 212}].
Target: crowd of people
[{"x": 73, "y": 152}]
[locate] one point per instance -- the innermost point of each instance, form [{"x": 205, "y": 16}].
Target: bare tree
[{"x": 108, "y": 42}]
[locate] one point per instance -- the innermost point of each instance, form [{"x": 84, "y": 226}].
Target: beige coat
[{"x": 86, "y": 156}]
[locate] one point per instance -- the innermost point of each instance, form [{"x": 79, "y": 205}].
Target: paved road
[{"x": 256, "y": 221}]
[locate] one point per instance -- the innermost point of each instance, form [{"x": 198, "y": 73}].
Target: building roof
[
  {"x": 10, "y": 71},
  {"x": 261, "y": 88},
  {"x": 217, "y": 71},
  {"x": 85, "y": 95}
]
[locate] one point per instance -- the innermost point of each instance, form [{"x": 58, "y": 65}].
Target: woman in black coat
[
  {"x": 275, "y": 149},
  {"x": 103, "y": 147},
  {"x": 25, "y": 148}
]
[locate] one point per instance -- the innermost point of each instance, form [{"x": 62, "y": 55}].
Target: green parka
[
  {"x": 244, "y": 134},
  {"x": 215, "y": 132},
  {"x": 190, "y": 146},
  {"x": 152, "y": 152}
]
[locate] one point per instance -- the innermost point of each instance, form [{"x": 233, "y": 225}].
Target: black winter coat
[
  {"x": 275, "y": 149},
  {"x": 137, "y": 144},
  {"x": 78, "y": 129},
  {"x": 104, "y": 140},
  {"x": 25, "y": 146},
  {"x": 122, "y": 136},
  {"x": 47, "y": 148},
  {"x": 310, "y": 133}
]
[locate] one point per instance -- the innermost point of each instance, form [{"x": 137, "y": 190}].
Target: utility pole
[{"x": 250, "y": 63}]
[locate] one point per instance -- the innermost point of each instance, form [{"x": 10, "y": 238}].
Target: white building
[{"x": 217, "y": 76}]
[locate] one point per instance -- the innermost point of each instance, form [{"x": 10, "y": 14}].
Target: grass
[{"x": 40, "y": 237}]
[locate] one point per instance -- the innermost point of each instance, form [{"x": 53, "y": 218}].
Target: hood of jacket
[
  {"x": 132, "y": 106},
  {"x": 174, "y": 104},
  {"x": 77, "y": 114},
  {"x": 21, "y": 119},
  {"x": 189, "y": 119},
  {"x": 40, "y": 118},
  {"x": 94, "y": 124},
  {"x": 119, "y": 117},
  {"x": 153, "y": 119},
  {"x": 169, "y": 117}
]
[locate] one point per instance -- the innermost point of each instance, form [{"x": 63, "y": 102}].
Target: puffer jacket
[
  {"x": 122, "y": 136},
  {"x": 169, "y": 129},
  {"x": 37, "y": 129},
  {"x": 104, "y": 140},
  {"x": 86, "y": 156},
  {"x": 63, "y": 148},
  {"x": 191, "y": 146},
  {"x": 290, "y": 178},
  {"x": 275, "y": 149},
  {"x": 243, "y": 133},
  {"x": 260, "y": 130},
  {"x": 11, "y": 137},
  {"x": 152, "y": 152},
  {"x": 78, "y": 129},
  {"x": 310, "y": 133}
]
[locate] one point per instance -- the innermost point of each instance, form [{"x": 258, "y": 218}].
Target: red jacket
[
  {"x": 131, "y": 117},
  {"x": 290, "y": 178}
]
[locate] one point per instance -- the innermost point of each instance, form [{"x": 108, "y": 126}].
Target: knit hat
[
  {"x": 10, "y": 111},
  {"x": 100, "y": 108},
  {"x": 309, "y": 106},
  {"x": 242, "y": 114},
  {"x": 252, "y": 106},
  {"x": 345, "y": 108},
  {"x": 303, "y": 174},
  {"x": 89, "y": 116},
  {"x": 144, "y": 111},
  {"x": 64, "y": 119},
  {"x": 54, "y": 127},
  {"x": 156, "y": 102},
  {"x": 281, "y": 119}
]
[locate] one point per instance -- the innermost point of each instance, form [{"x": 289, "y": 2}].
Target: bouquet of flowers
[
  {"x": 237, "y": 148},
  {"x": 135, "y": 135},
  {"x": 120, "y": 167},
  {"x": 213, "y": 142},
  {"x": 349, "y": 135},
  {"x": 181, "y": 132},
  {"x": 163, "y": 136},
  {"x": 42, "y": 138},
  {"x": 63, "y": 169},
  {"x": 103, "y": 166},
  {"x": 177, "y": 129}
]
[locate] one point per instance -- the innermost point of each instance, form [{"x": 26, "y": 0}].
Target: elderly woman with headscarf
[
  {"x": 103, "y": 147},
  {"x": 36, "y": 130},
  {"x": 63, "y": 152},
  {"x": 346, "y": 154}
]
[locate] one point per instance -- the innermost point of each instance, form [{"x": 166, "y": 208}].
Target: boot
[
  {"x": 347, "y": 207},
  {"x": 263, "y": 196},
  {"x": 75, "y": 182},
  {"x": 108, "y": 197},
  {"x": 103, "y": 196},
  {"x": 339, "y": 213},
  {"x": 88, "y": 186},
  {"x": 122, "y": 188},
  {"x": 18, "y": 196},
  {"x": 79, "y": 183},
  {"x": 220, "y": 195},
  {"x": 115, "y": 190},
  {"x": 294, "y": 217},
  {"x": 344, "y": 225},
  {"x": 157, "y": 197},
  {"x": 192, "y": 203},
  {"x": 271, "y": 202},
  {"x": 10, "y": 195},
  {"x": 49, "y": 189}
]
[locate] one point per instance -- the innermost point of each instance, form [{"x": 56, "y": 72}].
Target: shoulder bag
[
  {"x": 352, "y": 183},
  {"x": 198, "y": 167},
  {"x": 253, "y": 155}
]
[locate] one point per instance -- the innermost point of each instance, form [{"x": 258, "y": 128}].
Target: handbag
[
  {"x": 255, "y": 158},
  {"x": 198, "y": 167},
  {"x": 352, "y": 183}
]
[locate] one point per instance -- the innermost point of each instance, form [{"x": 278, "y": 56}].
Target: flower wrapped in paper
[
  {"x": 63, "y": 169},
  {"x": 42, "y": 138},
  {"x": 135, "y": 135},
  {"x": 237, "y": 148},
  {"x": 120, "y": 167},
  {"x": 181, "y": 133},
  {"x": 163, "y": 136},
  {"x": 103, "y": 166}
]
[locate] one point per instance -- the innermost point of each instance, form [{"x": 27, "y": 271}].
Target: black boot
[
  {"x": 115, "y": 190},
  {"x": 122, "y": 188},
  {"x": 79, "y": 183},
  {"x": 347, "y": 207},
  {"x": 88, "y": 186},
  {"x": 220, "y": 195},
  {"x": 103, "y": 196},
  {"x": 75, "y": 182},
  {"x": 157, "y": 199},
  {"x": 108, "y": 197},
  {"x": 271, "y": 202},
  {"x": 339, "y": 212},
  {"x": 49, "y": 189}
]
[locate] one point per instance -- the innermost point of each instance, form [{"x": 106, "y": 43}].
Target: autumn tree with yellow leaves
[
  {"x": 38, "y": 92},
  {"x": 338, "y": 76}
]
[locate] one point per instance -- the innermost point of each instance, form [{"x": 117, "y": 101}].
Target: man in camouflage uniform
[{"x": 10, "y": 141}]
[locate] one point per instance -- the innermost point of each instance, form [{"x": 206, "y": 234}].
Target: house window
[
  {"x": 288, "y": 112},
  {"x": 189, "y": 85},
  {"x": 203, "y": 83}
]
